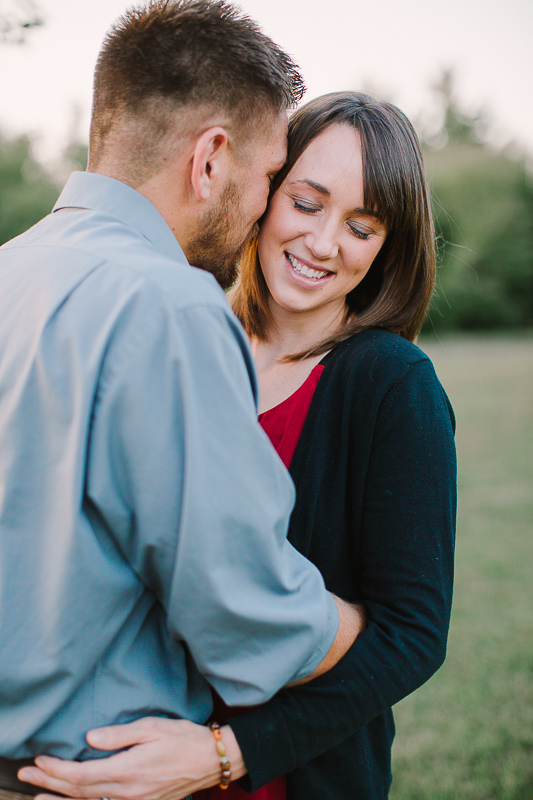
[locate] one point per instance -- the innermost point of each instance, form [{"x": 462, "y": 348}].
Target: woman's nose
[{"x": 322, "y": 239}]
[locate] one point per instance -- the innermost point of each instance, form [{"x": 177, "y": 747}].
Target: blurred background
[{"x": 463, "y": 72}]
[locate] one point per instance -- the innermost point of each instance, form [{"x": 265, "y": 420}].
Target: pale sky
[{"x": 395, "y": 48}]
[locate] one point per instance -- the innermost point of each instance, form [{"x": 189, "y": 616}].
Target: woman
[{"x": 332, "y": 293}]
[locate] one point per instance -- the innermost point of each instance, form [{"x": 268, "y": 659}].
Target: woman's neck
[
  {"x": 290, "y": 333},
  {"x": 279, "y": 379},
  {"x": 295, "y": 332}
]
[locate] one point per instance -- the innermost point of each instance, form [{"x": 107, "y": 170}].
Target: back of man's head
[{"x": 191, "y": 57}]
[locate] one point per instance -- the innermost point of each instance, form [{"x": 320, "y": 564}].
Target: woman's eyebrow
[{"x": 317, "y": 186}]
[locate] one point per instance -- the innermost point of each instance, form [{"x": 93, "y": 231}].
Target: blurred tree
[
  {"x": 456, "y": 124},
  {"x": 483, "y": 207},
  {"x": 16, "y": 18},
  {"x": 74, "y": 155},
  {"x": 27, "y": 192}
]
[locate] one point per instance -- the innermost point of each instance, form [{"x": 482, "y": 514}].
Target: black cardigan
[{"x": 375, "y": 476}]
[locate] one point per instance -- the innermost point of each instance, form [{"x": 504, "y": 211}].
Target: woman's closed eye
[
  {"x": 305, "y": 206},
  {"x": 361, "y": 233}
]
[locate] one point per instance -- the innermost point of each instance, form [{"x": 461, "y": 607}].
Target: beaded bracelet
[{"x": 225, "y": 775}]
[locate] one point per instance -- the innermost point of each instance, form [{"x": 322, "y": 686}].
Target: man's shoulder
[
  {"x": 178, "y": 283},
  {"x": 115, "y": 256}
]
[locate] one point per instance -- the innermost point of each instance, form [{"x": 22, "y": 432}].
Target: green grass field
[{"x": 468, "y": 733}]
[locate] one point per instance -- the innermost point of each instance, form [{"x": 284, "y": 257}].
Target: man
[{"x": 142, "y": 511}]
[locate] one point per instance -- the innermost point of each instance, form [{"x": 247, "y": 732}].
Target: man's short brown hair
[{"x": 178, "y": 55}]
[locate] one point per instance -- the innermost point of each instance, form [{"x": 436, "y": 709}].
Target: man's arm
[
  {"x": 198, "y": 502},
  {"x": 352, "y": 621}
]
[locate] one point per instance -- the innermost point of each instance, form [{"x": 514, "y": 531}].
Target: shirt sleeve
[
  {"x": 408, "y": 532},
  {"x": 196, "y": 499}
]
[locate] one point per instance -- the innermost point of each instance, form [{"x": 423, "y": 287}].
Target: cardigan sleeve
[{"x": 407, "y": 545}]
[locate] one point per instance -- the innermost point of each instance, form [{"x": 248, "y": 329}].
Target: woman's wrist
[
  {"x": 238, "y": 767},
  {"x": 211, "y": 758}
]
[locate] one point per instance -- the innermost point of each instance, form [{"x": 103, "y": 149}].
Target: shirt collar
[{"x": 110, "y": 196}]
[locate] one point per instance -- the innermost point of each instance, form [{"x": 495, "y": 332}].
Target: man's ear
[{"x": 210, "y": 161}]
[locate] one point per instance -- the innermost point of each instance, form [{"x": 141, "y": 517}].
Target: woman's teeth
[{"x": 305, "y": 271}]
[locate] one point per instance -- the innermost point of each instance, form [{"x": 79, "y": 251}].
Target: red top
[{"x": 283, "y": 424}]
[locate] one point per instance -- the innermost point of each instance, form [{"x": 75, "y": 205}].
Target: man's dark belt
[{"x": 9, "y": 780}]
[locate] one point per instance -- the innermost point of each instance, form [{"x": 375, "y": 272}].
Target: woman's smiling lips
[{"x": 305, "y": 274}]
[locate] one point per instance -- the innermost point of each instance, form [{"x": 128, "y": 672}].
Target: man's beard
[{"x": 212, "y": 248}]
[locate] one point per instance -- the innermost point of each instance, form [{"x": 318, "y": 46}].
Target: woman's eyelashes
[
  {"x": 313, "y": 208},
  {"x": 305, "y": 207},
  {"x": 361, "y": 234}
]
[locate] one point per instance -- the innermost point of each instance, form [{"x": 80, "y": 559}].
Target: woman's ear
[{"x": 210, "y": 162}]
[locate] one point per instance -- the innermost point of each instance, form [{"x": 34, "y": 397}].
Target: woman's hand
[{"x": 165, "y": 760}]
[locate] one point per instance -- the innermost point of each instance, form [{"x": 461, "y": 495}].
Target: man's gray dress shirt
[{"x": 143, "y": 511}]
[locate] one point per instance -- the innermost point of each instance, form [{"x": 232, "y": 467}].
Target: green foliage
[
  {"x": 74, "y": 156},
  {"x": 483, "y": 208},
  {"x": 483, "y": 205},
  {"x": 27, "y": 193},
  {"x": 468, "y": 733}
]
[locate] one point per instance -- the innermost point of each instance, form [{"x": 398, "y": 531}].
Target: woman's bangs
[{"x": 380, "y": 192}]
